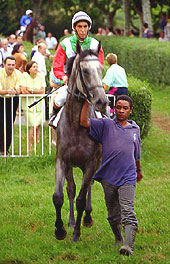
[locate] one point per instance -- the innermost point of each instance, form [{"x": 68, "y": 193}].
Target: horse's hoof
[
  {"x": 60, "y": 234},
  {"x": 76, "y": 236},
  {"x": 88, "y": 221}
]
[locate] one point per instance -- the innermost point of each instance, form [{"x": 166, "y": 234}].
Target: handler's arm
[
  {"x": 84, "y": 116},
  {"x": 138, "y": 170}
]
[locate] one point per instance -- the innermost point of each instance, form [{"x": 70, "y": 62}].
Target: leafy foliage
[{"x": 145, "y": 59}]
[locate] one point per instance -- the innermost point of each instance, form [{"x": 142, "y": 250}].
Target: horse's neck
[{"x": 73, "y": 108}]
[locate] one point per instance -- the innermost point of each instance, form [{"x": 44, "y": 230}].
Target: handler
[
  {"x": 81, "y": 24},
  {"x": 120, "y": 139}
]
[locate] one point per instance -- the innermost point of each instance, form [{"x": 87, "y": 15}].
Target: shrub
[
  {"x": 145, "y": 59},
  {"x": 141, "y": 95}
]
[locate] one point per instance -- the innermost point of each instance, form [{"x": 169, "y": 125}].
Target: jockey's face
[
  {"x": 9, "y": 66},
  {"x": 81, "y": 29}
]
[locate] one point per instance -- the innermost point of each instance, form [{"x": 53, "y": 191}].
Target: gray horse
[{"x": 74, "y": 146}]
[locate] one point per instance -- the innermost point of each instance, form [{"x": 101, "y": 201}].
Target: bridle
[{"x": 86, "y": 94}]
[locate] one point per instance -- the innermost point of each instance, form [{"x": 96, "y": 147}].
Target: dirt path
[{"x": 161, "y": 121}]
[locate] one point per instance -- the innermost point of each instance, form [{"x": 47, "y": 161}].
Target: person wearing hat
[
  {"x": 26, "y": 20},
  {"x": 81, "y": 24}
]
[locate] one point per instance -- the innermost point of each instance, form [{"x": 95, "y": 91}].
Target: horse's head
[{"x": 87, "y": 74}]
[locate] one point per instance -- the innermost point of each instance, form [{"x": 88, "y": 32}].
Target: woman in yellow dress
[{"x": 33, "y": 83}]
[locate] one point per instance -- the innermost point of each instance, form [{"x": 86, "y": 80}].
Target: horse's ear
[
  {"x": 99, "y": 47},
  {"x": 78, "y": 47}
]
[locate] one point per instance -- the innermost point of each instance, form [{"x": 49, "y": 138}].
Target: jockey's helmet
[
  {"x": 28, "y": 12},
  {"x": 81, "y": 16}
]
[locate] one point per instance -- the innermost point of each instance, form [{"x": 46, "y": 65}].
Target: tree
[
  {"x": 126, "y": 5},
  {"x": 109, "y": 8},
  {"x": 146, "y": 10}
]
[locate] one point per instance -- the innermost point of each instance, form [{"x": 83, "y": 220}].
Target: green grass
[{"x": 27, "y": 214}]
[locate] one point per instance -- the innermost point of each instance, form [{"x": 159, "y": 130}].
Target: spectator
[
  {"x": 39, "y": 58},
  {"x": 11, "y": 40},
  {"x": 33, "y": 82},
  {"x": 25, "y": 20},
  {"x": 9, "y": 84},
  {"x": 109, "y": 31},
  {"x": 163, "y": 23},
  {"x": 147, "y": 33},
  {"x": 18, "y": 54},
  {"x": 120, "y": 139},
  {"x": 5, "y": 50},
  {"x": 51, "y": 41},
  {"x": 35, "y": 48},
  {"x": 41, "y": 33},
  {"x": 19, "y": 39},
  {"x": 66, "y": 32},
  {"x": 115, "y": 78}
]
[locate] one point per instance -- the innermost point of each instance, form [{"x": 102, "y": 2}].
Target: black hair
[
  {"x": 9, "y": 58},
  {"x": 29, "y": 65},
  {"x": 145, "y": 25},
  {"x": 125, "y": 98},
  {"x": 16, "y": 48}
]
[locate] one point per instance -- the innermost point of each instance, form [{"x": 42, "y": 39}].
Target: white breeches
[{"x": 61, "y": 95}]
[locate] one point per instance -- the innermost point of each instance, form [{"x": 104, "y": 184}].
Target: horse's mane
[{"x": 83, "y": 54}]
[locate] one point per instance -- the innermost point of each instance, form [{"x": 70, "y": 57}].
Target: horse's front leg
[
  {"x": 58, "y": 198},
  {"x": 71, "y": 192}
]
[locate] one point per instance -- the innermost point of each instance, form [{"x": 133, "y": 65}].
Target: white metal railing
[{"x": 20, "y": 128}]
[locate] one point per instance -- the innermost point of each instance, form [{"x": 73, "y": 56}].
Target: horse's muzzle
[{"x": 100, "y": 104}]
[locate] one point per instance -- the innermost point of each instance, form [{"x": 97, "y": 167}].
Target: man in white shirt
[
  {"x": 51, "y": 41},
  {"x": 5, "y": 51},
  {"x": 39, "y": 58}
]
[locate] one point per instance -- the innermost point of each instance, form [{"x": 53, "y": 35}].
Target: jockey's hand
[
  {"x": 65, "y": 79},
  {"x": 139, "y": 176}
]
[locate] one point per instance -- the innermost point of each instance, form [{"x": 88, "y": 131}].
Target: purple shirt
[{"x": 120, "y": 150}]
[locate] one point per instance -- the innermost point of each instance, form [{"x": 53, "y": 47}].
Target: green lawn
[{"x": 27, "y": 213}]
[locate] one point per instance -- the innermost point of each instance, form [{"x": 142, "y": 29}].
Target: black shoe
[
  {"x": 53, "y": 116},
  {"x": 51, "y": 119}
]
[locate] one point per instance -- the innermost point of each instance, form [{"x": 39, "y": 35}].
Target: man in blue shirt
[
  {"x": 26, "y": 20},
  {"x": 120, "y": 139}
]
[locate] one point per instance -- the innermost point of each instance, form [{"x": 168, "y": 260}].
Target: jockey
[
  {"x": 25, "y": 20},
  {"x": 81, "y": 24}
]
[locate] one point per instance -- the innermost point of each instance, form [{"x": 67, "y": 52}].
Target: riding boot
[
  {"x": 130, "y": 234},
  {"x": 56, "y": 109},
  {"x": 117, "y": 231}
]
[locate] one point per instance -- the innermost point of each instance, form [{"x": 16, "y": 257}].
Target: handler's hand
[{"x": 139, "y": 176}]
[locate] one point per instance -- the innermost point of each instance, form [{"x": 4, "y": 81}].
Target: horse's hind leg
[
  {"x": 58, "y": 198},
  {"x": 71, "y": 192},
  {"x": 87, "y": 220}
]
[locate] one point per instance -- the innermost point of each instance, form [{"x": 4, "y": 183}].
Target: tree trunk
[
  {"x": 146, "y": 9},
  {"x": 109, "y": 19},
  {"x": 141, "y": 20},
  {"x": 126, "y": 5}
]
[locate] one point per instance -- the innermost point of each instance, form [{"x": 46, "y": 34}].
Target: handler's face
[{"x": 122, "y": 110}]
